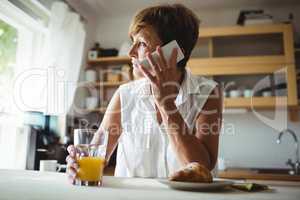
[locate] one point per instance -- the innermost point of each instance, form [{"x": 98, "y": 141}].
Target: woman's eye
[{"x": 143, "y": 44}]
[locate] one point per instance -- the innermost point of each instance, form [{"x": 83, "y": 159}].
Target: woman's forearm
[
  {"x": 111, "y": 122},
  {"x": 187, "y": 146},
  {"x": 111, "y": 145}
]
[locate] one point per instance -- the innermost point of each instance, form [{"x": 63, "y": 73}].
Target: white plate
[{"x": 215, "y": 185}]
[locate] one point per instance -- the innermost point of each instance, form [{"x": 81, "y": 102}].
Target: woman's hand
[
  {"x": 165, "y": 80},
  {"x": 72, "y": 166}
]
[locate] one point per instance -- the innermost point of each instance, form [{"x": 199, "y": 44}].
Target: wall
[
  {"x": 253, "y": 143},
  {"x": 112, "y": 32}
]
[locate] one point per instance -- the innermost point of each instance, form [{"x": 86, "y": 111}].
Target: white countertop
[{"x": 33, "y": 185}]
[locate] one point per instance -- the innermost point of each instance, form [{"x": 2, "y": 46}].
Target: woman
[{"x": 167, "y": 117}]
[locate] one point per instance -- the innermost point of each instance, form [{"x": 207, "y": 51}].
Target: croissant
[{"x": 193, "y": 172}]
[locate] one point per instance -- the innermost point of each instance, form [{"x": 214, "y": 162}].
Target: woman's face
[{"x": 144, "y": 41}]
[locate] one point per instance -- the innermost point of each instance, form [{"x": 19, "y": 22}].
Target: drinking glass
[{"x": 90, "y": 146}]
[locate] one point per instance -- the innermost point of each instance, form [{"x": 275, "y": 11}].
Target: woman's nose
[{"x": 132, "y": 52}]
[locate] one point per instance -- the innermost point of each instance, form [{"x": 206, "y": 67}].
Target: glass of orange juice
[{"x": 90, "y": 146}]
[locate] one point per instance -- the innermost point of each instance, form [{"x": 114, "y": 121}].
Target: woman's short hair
[{"x": 171, "y": 22}]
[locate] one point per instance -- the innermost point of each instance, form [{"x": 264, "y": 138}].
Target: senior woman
[{"x": 167, "y": 117}]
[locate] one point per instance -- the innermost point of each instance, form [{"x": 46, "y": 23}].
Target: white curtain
[
  {"x": 49, "y": 85},
  {"x": 63, "y": 53},
  {"x": 47, "y": 82}
]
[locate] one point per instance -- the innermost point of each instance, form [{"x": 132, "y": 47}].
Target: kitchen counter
[
  {"x": 252, "y": 174},
  {"x": 21, "y": 184}
]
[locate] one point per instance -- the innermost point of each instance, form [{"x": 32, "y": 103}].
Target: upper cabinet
[{"x": 249, "y": 52}]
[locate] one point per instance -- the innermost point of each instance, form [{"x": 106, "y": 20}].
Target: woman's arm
[
  {"x": 111, "y": 122},
  {"x": 202, "y": 145}
]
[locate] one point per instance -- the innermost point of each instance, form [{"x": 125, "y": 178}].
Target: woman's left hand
[{"x": 164, "y": 81}]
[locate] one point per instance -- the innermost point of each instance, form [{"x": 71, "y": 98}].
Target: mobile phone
[{"x": 167, "y": 51}]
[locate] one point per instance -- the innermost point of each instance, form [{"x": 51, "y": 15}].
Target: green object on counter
[{"x": 250, "y": 187}]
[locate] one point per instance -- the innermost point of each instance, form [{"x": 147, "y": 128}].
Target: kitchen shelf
[
  {"x": 236, "y": 65},
  {"x": 250, "y": 174},
  {"x": 107, "y": 87},
  {"x": 255, "y": 102},
  {"x": 242, "y": 30},
  {"x": 222, "y": 63},
  {"x": 105, "y": 61}
]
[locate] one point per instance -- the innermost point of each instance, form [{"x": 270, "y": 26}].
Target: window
[
  {"x": 21, "y": 41},
  {"x": 8, "y": 46},
  {"x": 8, "y": 51}
]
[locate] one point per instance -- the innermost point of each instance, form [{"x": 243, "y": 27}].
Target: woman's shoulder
[
  {"x": 133, "y": 85},
  {"x": 129, "y": 91}
]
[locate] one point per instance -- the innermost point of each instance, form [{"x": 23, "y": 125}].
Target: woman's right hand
[{"x": 72, "y": 166}]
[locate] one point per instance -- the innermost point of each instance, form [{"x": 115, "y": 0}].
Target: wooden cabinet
[
  {"x": 107, "y": 84},
  {"x": 232, "y": 62}
]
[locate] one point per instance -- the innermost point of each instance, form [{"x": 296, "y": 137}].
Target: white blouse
[{"x": 144, "y": 149}]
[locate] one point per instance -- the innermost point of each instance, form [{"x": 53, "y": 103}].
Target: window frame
[{"x": 31, "y": 38}]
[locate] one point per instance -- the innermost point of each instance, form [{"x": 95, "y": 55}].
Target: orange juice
[{"x": 90, "y": 168}]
